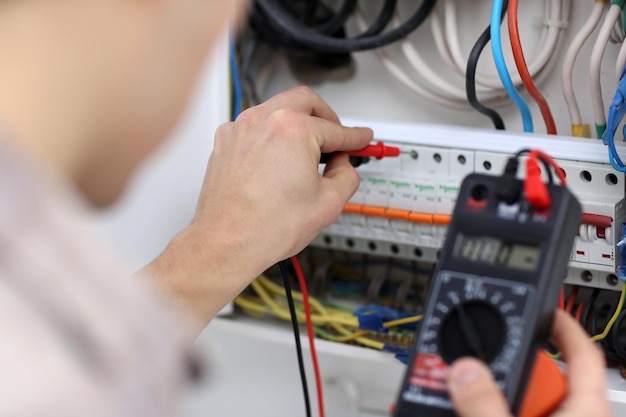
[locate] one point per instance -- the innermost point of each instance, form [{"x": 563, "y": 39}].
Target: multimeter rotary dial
[
  {"x": 472, "y": 328},
  {"x": 477, "y": 316}
]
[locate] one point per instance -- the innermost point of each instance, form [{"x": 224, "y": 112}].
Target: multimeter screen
[{"x": 496, "y": 252}]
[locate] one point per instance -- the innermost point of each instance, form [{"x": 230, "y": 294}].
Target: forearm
[{"x": 200, "y": 275}]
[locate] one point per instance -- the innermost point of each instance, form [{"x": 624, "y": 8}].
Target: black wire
[
  {"x": 470, "y": 75},
  {"x": 603, "y": 312},
  {"x": 614, "y": 335},
  {"x": 288, "y": 25},
  {"x": 310, "y": 9},
  {"x": 337, "y": 21},
  {"x": 296, "y": 333},
  {"x": 383, "y": 19},
  {"x": 587, "y": 310}
]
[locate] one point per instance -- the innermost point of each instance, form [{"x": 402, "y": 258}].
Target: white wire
[
  {"x": 567, "y": 71},
  {"x": 596, "y": 63},
  {"x": 434, "y": 87},
  {"x": 547, "y": 42},
  {"x": 617, "y": 34},
  {"x": 437, "y": 31},
  {"x": 405, "y": 79},
  {"x": 621, "y": 62}
]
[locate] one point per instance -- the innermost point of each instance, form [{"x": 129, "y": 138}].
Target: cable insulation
[
  {"x": 520, "y": 62},
  {"x": 311, "y": 334},
  {"x": 498, "y": 56}
]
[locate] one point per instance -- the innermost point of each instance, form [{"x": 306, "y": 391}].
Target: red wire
[
  {"x": 559, "y": 171},
  {"x": 562, "y": 299},
  {"x": 572, "y": 299},
  {"x": 522, "y": 68},
  {"x": 579, "y": 314},
  {"x": 309, "y": 328}
]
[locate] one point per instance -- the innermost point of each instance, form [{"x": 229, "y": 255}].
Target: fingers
[
  {"x": 474, "y": 392},
  {"x": 304, "y": 100},
  {"x": 586, "y": 368},
  {"x": 299, "y": 112},
  {"x": 341, "y": 178}
]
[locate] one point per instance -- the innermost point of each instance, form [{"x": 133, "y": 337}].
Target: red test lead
[{"x": 378, "y": 151}]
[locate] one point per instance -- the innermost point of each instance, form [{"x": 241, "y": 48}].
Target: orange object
[
  {"x": 520, "y": 62},
  {"x": 397, "y": 214},
  {"x": 442, "y": 219},
  {"x": 374, "y": 211},
  {"x": 353, "y": 208},
  {"x": 547, "y": 387},
  {"x": 421, "y": 218}
]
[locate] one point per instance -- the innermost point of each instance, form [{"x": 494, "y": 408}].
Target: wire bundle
[
  {"x": 431, "y": 85},
  {"x": 293, "y": 31},
  {"x": 330, "y": 322}
]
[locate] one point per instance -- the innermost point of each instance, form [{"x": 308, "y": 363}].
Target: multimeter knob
[{"x": 472, "y": 328}]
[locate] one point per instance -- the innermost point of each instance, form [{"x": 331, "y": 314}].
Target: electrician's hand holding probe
[
  {"x": 475, "y": 394},
  {"x": 263, "y": 199}
]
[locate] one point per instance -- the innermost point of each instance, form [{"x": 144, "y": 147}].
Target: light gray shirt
[{"x": 78, "y": 335}]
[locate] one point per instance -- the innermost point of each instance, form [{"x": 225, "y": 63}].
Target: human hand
[
  {"x": 262, "y": 183},
  {"x": 263, "y": 199},
  {"x": 474, "y": 393}
]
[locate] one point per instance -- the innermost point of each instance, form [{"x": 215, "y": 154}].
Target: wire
[
  {"x": 286, "y": 24},
  {"x": 595, "y": 65},
  {"x": 548, "y": 160},
  {"x": 338, "y": 20},
  {"x": 403, "y": 321},
  {"x": 618, "y": 310},
  {"x": 617, "y": 111},
  {"x": 567, "y": 71},
  {"x": 309, "y": 326},
  {"x": 296, "y": 333},
  {"x": 470, "y": 80},
  {"x": 572, "y": 299},
  {"x": 588, "y": 307},
  {"x": 383, "y": 19},
  {"x": 520, "y": 62},
  {"x": 498, "y": 56},
  {"x": 621, "y": 62},
  {"x": 554, "y": 23}
]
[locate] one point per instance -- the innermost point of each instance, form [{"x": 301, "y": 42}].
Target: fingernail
[{"x": 465, "y": 373}]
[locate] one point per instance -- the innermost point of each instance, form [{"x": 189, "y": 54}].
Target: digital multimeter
[{"x": 493, "y": 294}]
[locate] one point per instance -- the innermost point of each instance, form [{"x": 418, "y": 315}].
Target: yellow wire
[
  {"x": 611, "y": 322},
  {"x": 313, "y": 302},
  {"x": 346, "y": 338},
  {"x": 337, "y": 319},
  {"x": 283, "y": 313},
  {"x": 405, "y": 320}
]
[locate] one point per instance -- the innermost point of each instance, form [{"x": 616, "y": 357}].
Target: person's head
[{"x": 91, "y": 87}]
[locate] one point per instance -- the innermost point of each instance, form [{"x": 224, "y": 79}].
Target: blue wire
[
  {"x": 237, "y": 91},
  {"x": 617, "y": 112},
  {"x": 503, "y": 72}
]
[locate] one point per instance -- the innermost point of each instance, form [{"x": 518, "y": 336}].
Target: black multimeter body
[{"x": 493, "y": 294}]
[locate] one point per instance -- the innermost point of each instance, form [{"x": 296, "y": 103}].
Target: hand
[
  {"x": 263, "y": 199},
  {"x": 475, "y": 394}
]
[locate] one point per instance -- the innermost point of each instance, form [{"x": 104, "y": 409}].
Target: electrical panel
[{"x": 403, "y": 205}]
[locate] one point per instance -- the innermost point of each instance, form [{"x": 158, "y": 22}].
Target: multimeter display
[
  {"x": 493, "y": 293},
  {"x": 496, "y": 251}
]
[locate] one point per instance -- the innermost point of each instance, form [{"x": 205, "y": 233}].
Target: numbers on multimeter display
[{"x": 496, "y": 252}]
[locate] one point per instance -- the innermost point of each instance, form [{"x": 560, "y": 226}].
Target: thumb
[{"x": 474, "y": 391}]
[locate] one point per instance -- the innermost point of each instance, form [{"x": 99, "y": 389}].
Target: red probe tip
[{"x": 378, "y": 151}]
